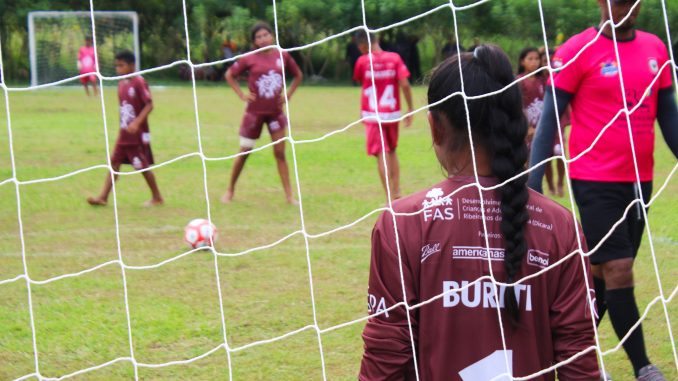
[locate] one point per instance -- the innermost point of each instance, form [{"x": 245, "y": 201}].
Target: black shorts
[{"x": 601, "y": 205}]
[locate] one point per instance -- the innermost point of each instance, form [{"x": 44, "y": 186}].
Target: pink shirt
[
  {"x": 265, "y": 79},
  {"x": 86, "y": 60},
  {"x": 389, "y": 68},
  {"x": 457, "y": 335},
  {"x": 594, "y": 80}
]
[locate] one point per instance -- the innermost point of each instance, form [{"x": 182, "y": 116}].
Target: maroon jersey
[
  {"x": 457, "y": 336},
  {"x": 533, "y": 97},
  {"x": 265, "y": 79},
  {"x": 133, "y": 96}
]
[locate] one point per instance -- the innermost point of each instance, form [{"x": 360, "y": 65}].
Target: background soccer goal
[{"x": 55, "y": 37}]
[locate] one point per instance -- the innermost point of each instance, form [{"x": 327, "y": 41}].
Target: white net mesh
[{"x": 58, "y": 64}]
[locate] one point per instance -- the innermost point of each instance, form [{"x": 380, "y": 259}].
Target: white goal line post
[{"x": 32, "y": 16}]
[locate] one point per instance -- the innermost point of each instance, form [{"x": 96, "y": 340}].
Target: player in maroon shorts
[
  {"x": 390, "y": 75},
  {"x": 133, "y": 144},
  {"x": 438, "y": 250},
  {"x": 264, "y": 103}
]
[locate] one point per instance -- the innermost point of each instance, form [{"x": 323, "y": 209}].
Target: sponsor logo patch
[
  {"x": 131, "y": 92},
  {"x": 376, "y": 305},
  {"x": 654, "y": 66},
  {"x": 429, "y": 249},
  {"x": 477, "y": 252},
  {"x": 481, "y": 294},
  {"x": 136, "y": 162},
  {"x": 432, "y": 210},
  {"x": 537, "y": 258},
  {"x": 609, "y": 69},
  {"x": 557, "y": 62}
]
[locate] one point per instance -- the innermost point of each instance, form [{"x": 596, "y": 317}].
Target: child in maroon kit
[
  {"x": 531, "y": 87},
  {"x": 438, "y": 251},
  {"x": 265, "y": 103},
  {"x": 133, "y": 144}
]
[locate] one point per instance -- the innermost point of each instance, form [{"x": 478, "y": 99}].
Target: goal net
[{"x": 55, "y": 38}]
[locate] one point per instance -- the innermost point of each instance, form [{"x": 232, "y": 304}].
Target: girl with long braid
[{"x": 440, "y": 256}]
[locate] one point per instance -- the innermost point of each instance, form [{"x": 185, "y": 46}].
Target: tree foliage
[{"x": 513, "y": 23}]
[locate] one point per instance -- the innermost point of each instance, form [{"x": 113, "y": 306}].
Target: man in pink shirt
[
  {"x": 604, "y": 178},
  {"x": 87, "y": 64},
  {"x": 382, "y": 100}
]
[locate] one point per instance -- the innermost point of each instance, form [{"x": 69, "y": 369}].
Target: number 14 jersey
[{"x": 389, "y": 68}]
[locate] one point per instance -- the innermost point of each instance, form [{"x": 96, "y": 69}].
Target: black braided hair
[{"x": 497, "y": 125}]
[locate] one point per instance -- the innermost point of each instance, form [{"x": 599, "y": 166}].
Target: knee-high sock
[
  {"x": 601, "y": 305},
  {"x": 624, "y": 314}
]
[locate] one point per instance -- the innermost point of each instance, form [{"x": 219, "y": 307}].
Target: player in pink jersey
[
  {"x": 604, "y": 179},
  {"x": 264, "y": 103},
  {"x": 440, "y": 244},
  {"x": 390, "y": 75},
  {"x": 133, "y": 143},
  {"x": 87, "y": 64}
]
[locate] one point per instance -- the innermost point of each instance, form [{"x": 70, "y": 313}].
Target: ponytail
[{"x": 498, "y": 125}]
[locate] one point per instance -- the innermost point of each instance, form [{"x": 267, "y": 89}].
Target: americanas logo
[
  {"x": 609, "y": 69},
  {"x": 537, "y": 258}
]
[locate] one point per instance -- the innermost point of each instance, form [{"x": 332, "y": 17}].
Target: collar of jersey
[
  {"x": 485, "y": 181},
  {"x": 619, "y": 39}
]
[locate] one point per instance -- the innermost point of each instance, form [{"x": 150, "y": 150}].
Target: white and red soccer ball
[{"x": 200, "y": 233}]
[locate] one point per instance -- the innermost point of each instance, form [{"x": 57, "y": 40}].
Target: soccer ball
[{"x": 200, "y": 233}]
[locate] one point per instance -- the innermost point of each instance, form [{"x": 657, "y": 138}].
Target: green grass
[{"x": 175, "y": 314}]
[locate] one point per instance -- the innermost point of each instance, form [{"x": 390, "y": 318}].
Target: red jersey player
[
  {"x": 133, "y": 143},
  {"x": 87, "y": 64},
  {"x": 264, "y": 103},
  {"x": 443, "y": 253},
  {"x": 390, "y": 74}
]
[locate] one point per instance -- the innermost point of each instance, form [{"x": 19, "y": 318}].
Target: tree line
[{"x": 513, "y": 24}]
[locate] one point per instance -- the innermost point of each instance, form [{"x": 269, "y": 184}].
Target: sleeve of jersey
[
  {"x": 145, "y": 92},
  {"x": 238, "y": 67},
  {"x": 666, "y": 75},
  {"x": 291, "y": 65},
  {"x": 403, "y": 72},
  {"x": 571, "y": 323},
  {"x": 568, "y": 77},
  {"x": 357, "y": 71},
  {"x": 388, "y": 351}
]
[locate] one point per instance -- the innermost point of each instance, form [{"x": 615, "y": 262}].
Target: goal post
[{"x": 54, "y": 38}]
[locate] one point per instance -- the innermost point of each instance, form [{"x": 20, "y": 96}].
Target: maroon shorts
[
  {"x": 131, "y": 154},
  {"x": 252, "y": 124},
  {"x": 148, "y": 153},
  {"x": 374, "y": 138},
  {"x": 88, "y": 78}
]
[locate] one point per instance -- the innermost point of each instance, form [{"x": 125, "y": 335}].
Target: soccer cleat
[{"x": 650, "y": 373}]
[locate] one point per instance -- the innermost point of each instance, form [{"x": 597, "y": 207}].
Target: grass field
[{"x": 80, "y": 322}]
